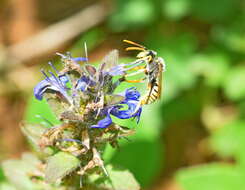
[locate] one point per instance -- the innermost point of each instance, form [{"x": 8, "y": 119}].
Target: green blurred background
[{"x": 194, "y": 138}]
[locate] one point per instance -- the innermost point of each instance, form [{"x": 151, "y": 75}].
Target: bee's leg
[
  {"x": 123, "y": 79},
  {"x": 134, "y": 64},
  {"x": 136, "y": 73},
  {"x": 137, "y": 68},
  {"x": 135, "y": 81},
  {"x": 143, "y": 100},
  {"x": 141, "y": 103}
]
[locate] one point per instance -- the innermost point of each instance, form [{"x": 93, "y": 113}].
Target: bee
[{"x": 153, "y": 67}]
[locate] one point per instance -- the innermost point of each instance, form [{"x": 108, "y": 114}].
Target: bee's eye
[{"x": 152, "y": 53}]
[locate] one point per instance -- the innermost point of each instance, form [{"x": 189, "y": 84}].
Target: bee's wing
[
  {"x": 159, "y": 78},
  {"x": 110, "y": 60},
  {"x": 155, "y": 88}
]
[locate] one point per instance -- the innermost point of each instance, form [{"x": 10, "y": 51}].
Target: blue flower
[
  {"x": 132, "y": 94},
  {"x": 57, "y": 84},
  {"x": 131, "y": 100},
  {"x": 77, "y": 59},
  {"x": 83, "y": 83},
  {"x": 103, "y": 123},
  {"x": 69, "y": 57}
]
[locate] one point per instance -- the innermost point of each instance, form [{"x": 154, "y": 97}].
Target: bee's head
[
  {"x": 147, "y": 53},
  {"x": 152, "y": 53}
]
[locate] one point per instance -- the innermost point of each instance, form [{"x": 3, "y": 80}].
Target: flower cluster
[{"x": 83, "y": 97}]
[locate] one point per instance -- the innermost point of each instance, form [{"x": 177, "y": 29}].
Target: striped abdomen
[{"x": 154, "y": 85}]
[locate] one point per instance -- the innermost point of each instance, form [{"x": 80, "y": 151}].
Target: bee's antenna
[
  {"x": 134, "y": 43},
  {"x": 135, "y": 48}
]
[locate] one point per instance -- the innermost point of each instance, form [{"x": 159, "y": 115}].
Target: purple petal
[
  {"x": 122, "y": 68},
  {"x": 51, "y": 83},
  {"x": 79, "y": 59},
  {"x": 64, "y": 79},
  {"x": 84, "y": 82},
  {"x": 68, "y": 56},
  {"x": 128, "y": 113},
  {"x": 103, "y": 123},
  {"x": 39, "y": 88},
  {"x": 132, "y": 94},
  {"x": 132, "y": 101}
]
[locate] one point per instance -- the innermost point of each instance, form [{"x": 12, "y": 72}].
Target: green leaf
[
  {"x": 230, "y": 141},
  {"x": 1, "y": 175},
  {"x": 139, "y": 11},
  {"x": 232, "y": 36},
  {"x": 227, "y": 139},
  {"x": 33, "y": 132},
  {"x": 133, "y": 14},
  {"x": 36, "y": 107},
  {"x": 60, "y": 165},
  {"x": 56, "y": 104},
  {"x": 30, "y": 159},
  {"x": 147, "y": 136},
  {"x": 6, "y": 186},
  {"x": 210, "y": 177},
  {"x": 122, "y": 179},
  {"x": 92, "y": 38},
  {"x": 176, "y": 9},
  {"x": 234, "y": 83},
  {"x": 214, "y": 67},
  {"x": 130, "y": 157},
  {"x": 214, "y": 10},
  {"x": 16, "y": 171}
]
